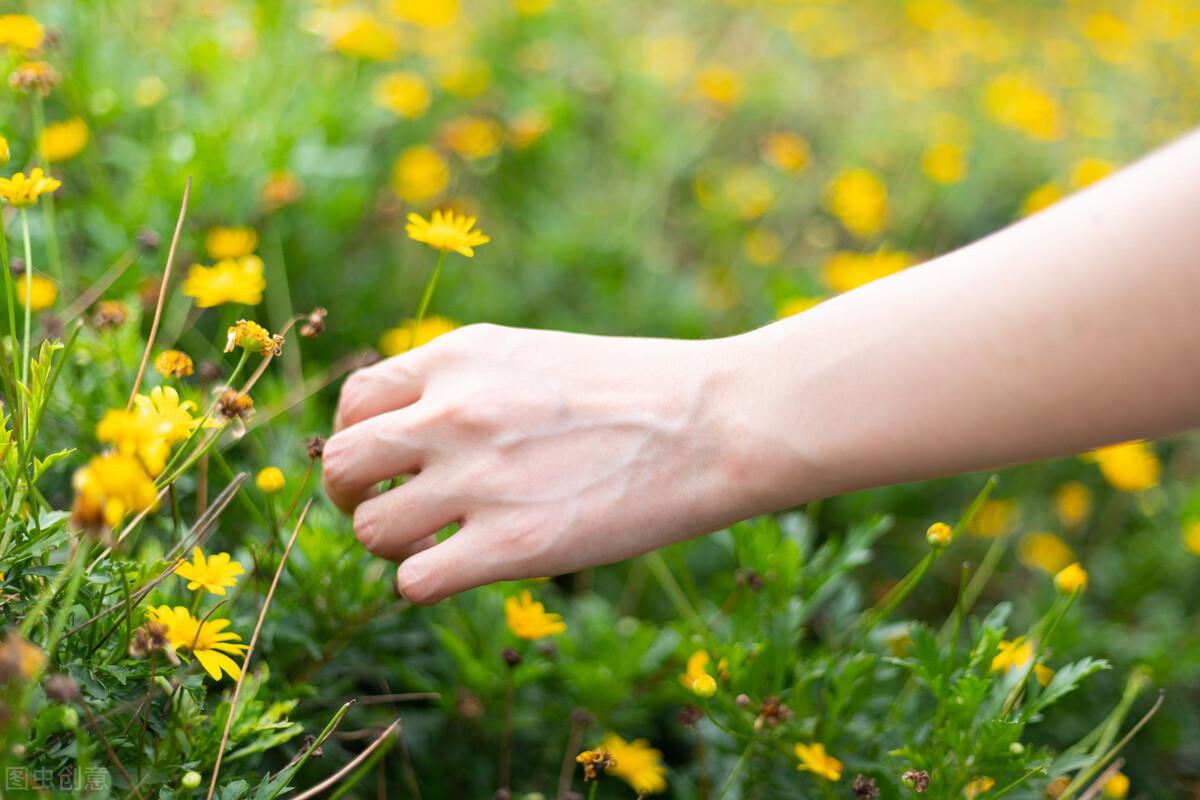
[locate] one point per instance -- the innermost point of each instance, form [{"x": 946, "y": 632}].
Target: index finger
[{"x": 379, "y": 388}]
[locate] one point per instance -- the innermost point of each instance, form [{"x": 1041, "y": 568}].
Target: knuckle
[{"x": 334, "y": 464}]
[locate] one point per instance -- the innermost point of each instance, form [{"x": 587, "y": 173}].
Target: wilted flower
[
  {"x": 249, "y": 335},
  {"x": 916, "y": 779},
  {"x": 864, "y": 788},
  {"x": 228, "y": 281},
  {"x": 209, "y": 642},
  {"x": 595, "y": 762},
  {"x": 173, "y": 364},
  {"x": 213, "y": 574},
  {"x": 110, "y": 314},
  {"x": 150, "y": 638},
  {"x": 33, "y": 76},
  {"x": 1073, "y": 578},
  {"x": 314, "y": 324},
  {"x": 61, "y": 141},
  {"x": 445, "y": 231},
  {"x": 235, "y": 405},
  {"x": 315, "y": 445},
  {"x": 529, "y": 619},
  {"x": 771, "y": 714},
  {"x": 636, "y": 763},
  {"x": 22, "y": 191},
  {"x": 270, "y": 480},
  {"x": 814, "y": 759}
]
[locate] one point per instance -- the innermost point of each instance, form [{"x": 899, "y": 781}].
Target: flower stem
[
  {"x": 9, "y": 291},
  {"x": 39, "y": 125},
  {"x": 426, "y": 296},
  {"x": 28, "y": 297}
]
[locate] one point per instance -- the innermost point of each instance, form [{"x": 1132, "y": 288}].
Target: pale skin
[{"x": 554, "y": 452}]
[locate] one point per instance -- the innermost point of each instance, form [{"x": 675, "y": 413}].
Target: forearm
[{"x": 1074, "y": 328}]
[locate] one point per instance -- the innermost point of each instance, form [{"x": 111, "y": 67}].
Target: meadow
[{"x": 214, "y": 211}]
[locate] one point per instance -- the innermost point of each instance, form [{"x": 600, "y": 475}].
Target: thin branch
[
  {"x": 346, "y": 770},
  {"x": 262, "y": 615},
  {"x": 162, "y": 293}
]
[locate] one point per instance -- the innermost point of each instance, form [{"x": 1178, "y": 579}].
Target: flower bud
[
  {"x": 191, "y": 779},
  {"x": 939, "y": 534}
]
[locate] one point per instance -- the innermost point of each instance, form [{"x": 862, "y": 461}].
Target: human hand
[{"x": 554, "y": 451}]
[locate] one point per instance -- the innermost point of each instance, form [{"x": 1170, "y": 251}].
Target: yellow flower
[
  {"x": 529, "y": 619},
  {"x": 472, "y": 137},
  {"x": 5, "y": 154},
  {"x": 786, "y": 151},
  {"x": 420, "y": 174},
  {"x": 173, "y": 364},
  {"x": 532, "y": 8},
  {"x": 1043, "y": 674},
  {"x": 1072, "y": 578},
  {"x": 1044, "y": 551},
  {"x": 1013, "y": 654},
  {"x": 762, "y": 246},
  {"x": 637, "y": 763},
  {"x": 845, "y": 271},
  {"x": 527, "y": 127},
  {"x": 748, "y": 192},
  {"x": 978, "y": 787},
  {"x": 249, "y": 335},
  {"x": 704, "y": 686},
  {"x": 19, "y": 658},
  {"x": 696, "y": 673},
  {"x": 133, "y": 434},
  {"x": 945, "y": 163},
  {"x": 397, "y": 340},
  {"x": 213, "y": 574},
  {"x": 1072, "y": 502},
  {"x": 939, "y": 534},
  {"x": 994, "y": 518},
  {"x": 360, "y": 34},
  {"x": 445, "y": 231},
  {"x": 281, "y": 189},
  {"x": 21, "y": 32},
  {"x": 1111, "y": 37},
  {"x": 1016, "y": 100},
  {"x": 720, "y": 85},
  {"x": 427, "y": 13},
  {"x": 858, "y": 198},
  {"x": 43, "y": 293},
  {"x": 1129, "y": 467},
  {"x": 166, "y": 415},
  {"x": 109, "y": 487},
  {"x": 1040, "y": 198},
  {"x": 223, "y": 243},
  {"x": 464, "y": 77},
  {"x": 814, "y": 759},
  {"x": 1091, "y": 170},
  {"x": 270, "y": 480},
  {"x": 24, "y": 191},
  {"x": 209, "y": 641},
  {"x": 796, "y": 305},
  {"x": 61, "y": 141},
  {"x": 149, "y": 91},
  {"x": 1191, "y": 536},
  {"x": 405, "y": 94},
  {"x": 1117, "y": 787},
  {"x": 229, "y": 281}
]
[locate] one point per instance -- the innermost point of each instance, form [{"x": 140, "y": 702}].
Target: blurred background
[{"x": 676, "y": 168}]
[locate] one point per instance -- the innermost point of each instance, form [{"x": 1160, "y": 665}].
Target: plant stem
[
  {"x": 426, "y": 296},
  {"x": 28, "y": 297}
]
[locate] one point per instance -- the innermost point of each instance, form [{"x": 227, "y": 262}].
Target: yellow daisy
[
  {"x": 208, "y": 640},
  {"x": 213, "y": 574},
  {"x": 445, "y": 231}
]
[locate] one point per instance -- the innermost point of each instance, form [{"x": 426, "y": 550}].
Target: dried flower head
[
  {"x": 173, "y": 364},
  {"x": 60, "y": 688},
  {"x": 916, "y": 779},
  {"x": 19, "y": 659},
  {"x": 149, "y": 239},
  {"x": 314, "y": 324},
  {"x": 595, "y": 762},
  {"x": 771, "y": 714},
  {"x": 33, "y": 76},
  {"x": 689, "y": 715},
  {"x": 110, "y": 314},
  {"x": 864, "y": 788},
  {"x": 315, "y": 445},
  {"x": 235, "y": 405}
]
